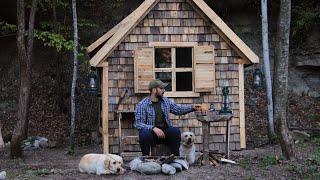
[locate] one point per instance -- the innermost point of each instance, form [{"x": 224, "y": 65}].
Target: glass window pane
[
  {"x": 184, "y": 81},
  {"x": 183, "y": 57},
  {"x": 163, "y": 57},
  {"x": 165, "y": 77}
]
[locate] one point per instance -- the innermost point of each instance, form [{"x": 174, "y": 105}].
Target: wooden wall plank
[
  {"x": 242, "y": 108},
  {"x": 105, "y": 109}
]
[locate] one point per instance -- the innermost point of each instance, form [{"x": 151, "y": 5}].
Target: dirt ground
[{"x": 258, "y": 163}]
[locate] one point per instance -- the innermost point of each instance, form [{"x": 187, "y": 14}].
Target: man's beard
[{"x": 159, "y": 96}]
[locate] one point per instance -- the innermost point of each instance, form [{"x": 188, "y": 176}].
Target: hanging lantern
[
  {"x": 225, "y": 102},
  {"x": 257, "y": 78},
  {"x": 92, "y": 82}
]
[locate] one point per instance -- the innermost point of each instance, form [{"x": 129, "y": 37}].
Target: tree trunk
[
  {"x": 74, "y": 76},
  {"x": 59, "y": 62},
  {"x": 281, "y": 79},
  {"x": 54, "y": 16},
  {"x": 266, "y": 61},
  {"x": 24, "y": 57},
  {"x": 1, "y": 140}
]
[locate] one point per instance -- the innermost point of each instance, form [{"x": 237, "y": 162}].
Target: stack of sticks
[{"x": 216, "y": 159}]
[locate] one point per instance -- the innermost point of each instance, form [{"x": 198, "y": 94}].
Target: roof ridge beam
[{"x": 116, "y": 39}]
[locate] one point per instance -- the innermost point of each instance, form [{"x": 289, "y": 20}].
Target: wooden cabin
[{"x": 184, "y": 43}]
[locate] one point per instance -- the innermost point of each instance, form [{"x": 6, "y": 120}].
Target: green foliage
[
  {"x": 250, "y": 178},
  {"x": 38, "y": 172},
  {"x": 117, "y": 3},
  {"x": 309, "y": 169},
  {"x": 46, "y": 5},
  {"x": 269, "y": 160},
  {"x": 300, "y": 144},
  {"x": 48, "y": 26},
  {"x": 6, "y": 28},
  {"x": 70, "y": 150},
  {"x": 245, "y": 163},
  {"x": 316, "y": 140},
  {"x": 305, "y": 15},
  {"x": 49, "y": 39},
  {"x": 29, "y": 173},
  {"x": 86, "y": 23},
  {"x": 313, "y": 117},
  {"x": 58, "y": 42}
]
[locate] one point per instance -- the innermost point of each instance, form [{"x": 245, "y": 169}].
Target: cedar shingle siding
[{"x": 174, "y": 21}]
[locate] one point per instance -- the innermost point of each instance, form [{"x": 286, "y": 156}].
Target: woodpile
[{"x": 216, "y": 159}]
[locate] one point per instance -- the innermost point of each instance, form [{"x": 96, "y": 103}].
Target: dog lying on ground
[
  {"x": 101, "y": 164},
  {"x": 187, "y": 147}
]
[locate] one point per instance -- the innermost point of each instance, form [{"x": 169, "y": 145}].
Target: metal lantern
[
  {"x": 225, "y": 102},
  {"x": 257, "y": 78},
  {"x": 93, "y": 82}
]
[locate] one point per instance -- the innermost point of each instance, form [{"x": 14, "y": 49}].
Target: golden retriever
[
  {"x": 101, "y": 164},
  {"x": 187, "y": 147}
]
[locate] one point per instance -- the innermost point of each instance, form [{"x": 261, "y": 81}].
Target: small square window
[
  {"x": 183, "y": 57},
  {"x": 163, "y": 58},
  {"x": 184, "y": 81}
]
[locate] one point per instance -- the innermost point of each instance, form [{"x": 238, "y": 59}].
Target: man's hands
[
  {"x": 158, "y": 132},
  {"x": 196, "y": 107}
]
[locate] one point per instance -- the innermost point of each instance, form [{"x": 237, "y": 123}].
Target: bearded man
[{"x": 153, "y": 122}]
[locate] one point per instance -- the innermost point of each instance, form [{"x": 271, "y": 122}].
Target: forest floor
[{"x": 259, "y": 163}]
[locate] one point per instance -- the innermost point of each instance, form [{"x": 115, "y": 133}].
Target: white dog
[
  {"x": 101, "y": 164},
  {"x": 187, "y": 148}
]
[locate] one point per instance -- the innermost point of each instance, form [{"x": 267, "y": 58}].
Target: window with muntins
[
  {"x": 187, "y": 68},
  {"x": 175, "y": 67}
]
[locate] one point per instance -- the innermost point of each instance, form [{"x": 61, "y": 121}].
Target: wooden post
[
  {"x": 205, "y": 120},
  {"x": 119, "y": 116},
  {"x": 242, "y": 108},
  {"x": 205, "y": 136},
  {"x": 228, "y": 139},
  {"x": 105, "y": 109}
]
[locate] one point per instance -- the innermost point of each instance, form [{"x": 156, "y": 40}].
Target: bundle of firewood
[{"x": 216, "y": 159}]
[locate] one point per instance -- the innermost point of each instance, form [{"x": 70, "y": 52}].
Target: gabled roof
[{"x": 115, "y": 36}]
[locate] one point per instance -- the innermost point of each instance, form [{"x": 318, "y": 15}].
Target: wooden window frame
[{"x": 173, "y": 69}]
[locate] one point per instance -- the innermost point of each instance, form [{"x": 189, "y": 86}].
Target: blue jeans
[{"x": 148, "y": 138}]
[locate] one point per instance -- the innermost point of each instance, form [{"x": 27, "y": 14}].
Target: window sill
[{"x": 181, "y": 94}]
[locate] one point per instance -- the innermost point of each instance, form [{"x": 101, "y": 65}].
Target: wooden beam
[
  {"x": 116, "y": 39},
  {"x": 105, "y": 109},
  {"x": 241, "y": 108},
  {"x": 110, "y": 33},
  {"x": 103, "y": 38},
  {"x": 173, "y": 44},
  {"x": 182, "y": 94},
  {"x": 217, "y": 21},
  {"x": 220, "y": 33}
]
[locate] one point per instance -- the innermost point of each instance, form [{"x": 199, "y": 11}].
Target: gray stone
[
  {"x": 3, "y": 175},
  {"x": 36, "y": 144},
  {"x": 135, "y": 163},
  {"x": 43, "y": 143},
  {"x": 149, "y": 168},
  {"x": 304, "y": 82},
  {"x": 168, "y": 169},
  {"x": 183, "y": 163},
  {"x": 177, "y": 166}
]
